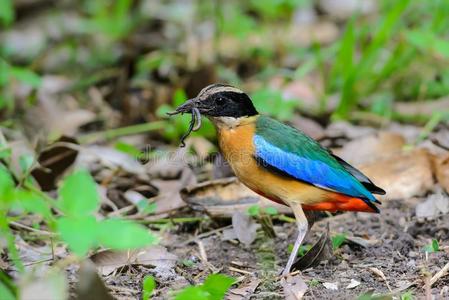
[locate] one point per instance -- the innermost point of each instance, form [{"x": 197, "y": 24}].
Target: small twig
[
  {"x": 122, "y": 289},
  {"x": 240, "y": 271},
  {"x": 436, "y": 142},
  {"x": 122, "y": 210},
  {"x": 439, "y": 274},
  {"x": 203, "y": 235},
  {"x": 203, "y": 253},
  {"x": 39, "y": 231}
]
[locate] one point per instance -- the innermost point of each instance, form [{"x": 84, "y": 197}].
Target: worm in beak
[{"x": 195, "y": 123}]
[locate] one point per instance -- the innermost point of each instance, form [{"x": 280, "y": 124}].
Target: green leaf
[
  {"x": 80, "y": 233},
  {"x": 271, "y": 211},
  {"x": 26, "y": 76},
  {"x": 338, "y": 240},
  {"x": 217, "y": 285},
  {"x": 6, "y": 293},
  {"x": 122, "y": 234},
  {"x": 193, "y": 292},
  {"x": 149, "y": 284},
  {"x": 179, "y": 97},
  {"x": 432, "y": 247},
  {"x": 32, "y": 203},
  {"x": 128, "y": 149},
  {"x": 6, "y": 12},
  {"x": 25, "y": 162},
  {"x": 6, "y": 188},
  {"x": 407, "y": 296},
  {"x": 188, "y": 263},
  {"x": 254, "y": 210},
  {"x": 78, "y": 194},
  {"x": 420, "y": 39},
  {"x": 442, "y": 47},
  {"x": 145, "y": 207}
]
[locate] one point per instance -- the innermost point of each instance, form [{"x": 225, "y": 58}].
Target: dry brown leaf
[
  {"x": 353, "y": 284},
  {"x": 370, "y": 148},
  {"x": 108, "y": 261},
  {"x": 222, "y": 197},
  {"x": 308, "y": 126},
  {"x": 422, "y": 108},
  {"x": 403, "y": 175},
  {"x": 53, "y": 162},
  {"x": 435, "y": 205},
  {"x": 381, "y": 274},
  {"x": 244, "y": 228},
  {"x": 294, "y": 287},
  {"x": 48, "y": 285},
  {"x": 331, "y": 286},
  {"x": 109, "y": 158},
  {"x": 169, "y": 197},
  {"x": 245, "y": 291},
  {"x": 345, "y": 9},
  {"x": 441, "y": 166},
  {"x": 348, "y": 130},
  {"x": 49, "y": 117}
]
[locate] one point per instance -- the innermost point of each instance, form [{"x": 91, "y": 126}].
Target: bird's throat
[{"x": 230, "y": 123}]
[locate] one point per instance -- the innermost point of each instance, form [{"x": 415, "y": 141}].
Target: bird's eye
[{"x": 220, "y": 100}]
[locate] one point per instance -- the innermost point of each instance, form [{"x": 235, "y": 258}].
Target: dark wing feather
[{"x": 367, "y": 183}]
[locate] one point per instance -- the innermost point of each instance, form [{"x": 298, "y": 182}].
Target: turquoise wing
[{"x": 287, "y": 150}]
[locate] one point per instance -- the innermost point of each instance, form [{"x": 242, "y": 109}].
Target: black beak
[{"x": 186, "y": 107}]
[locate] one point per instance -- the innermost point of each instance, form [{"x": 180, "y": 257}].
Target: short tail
[{"x": 340, "y": 202}]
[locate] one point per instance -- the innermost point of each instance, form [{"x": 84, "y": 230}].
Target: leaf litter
[{"x": 193, "y": 212}]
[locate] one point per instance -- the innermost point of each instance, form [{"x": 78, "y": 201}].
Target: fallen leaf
[
  {"x": 422, "y": 108},
  {"x": 344, "y": 9},
  {"x": 381, "y": 274},
  {"x": 365, "y": 243},
  {"x": 108, "y": 261},
  {"x": 294, "y": 287},
  {"x": 169, "y": 198},
  {"x": 321, "y": 250},
  {"x": 244, "y": 291},
  {"x": 244, "y": 228},
  {"x": 228, "y": 234},
  {"x": 52, "y": 118},
  {"x": 110, "y": 158},
  {"x": 53, "y": 162},
  {"x": 331, "y": 286},
  {"x": 38, "y": 286},
  {"x": 353, "y": 284},
  {"x": 308, "y": 126},
  {"x": 348, "y": 130},
  {"x": 403, "y": 175},
  {"x": 90, "y": 285},
  {"x": 222, "y": 197},
  {"x": 434, "y": 205},
  {"x": 441, "y": 166},
  {"x": 368, "y": 149},
  {"x": 168, "y": 166}
]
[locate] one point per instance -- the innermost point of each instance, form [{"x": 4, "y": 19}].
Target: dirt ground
[{"x": 395, "y": 237}]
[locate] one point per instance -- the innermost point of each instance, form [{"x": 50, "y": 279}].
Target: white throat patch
[{"x": 226, "y": 122}]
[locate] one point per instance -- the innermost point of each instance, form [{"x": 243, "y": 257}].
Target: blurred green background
[
  {"x": 96, "y": 70},
  {"x": 357, "y": 60}
]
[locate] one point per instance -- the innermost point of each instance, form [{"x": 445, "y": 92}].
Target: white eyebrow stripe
[{"x": 207, "y": 91}]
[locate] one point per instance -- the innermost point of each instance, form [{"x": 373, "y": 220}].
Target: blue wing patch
[{"x": 315, "y": 172}]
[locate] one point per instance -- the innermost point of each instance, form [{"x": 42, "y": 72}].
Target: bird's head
[{"x": 220, "y": 101}]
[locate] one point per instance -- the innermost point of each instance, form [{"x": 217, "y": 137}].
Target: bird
[{"x": 280, "y": 162}]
